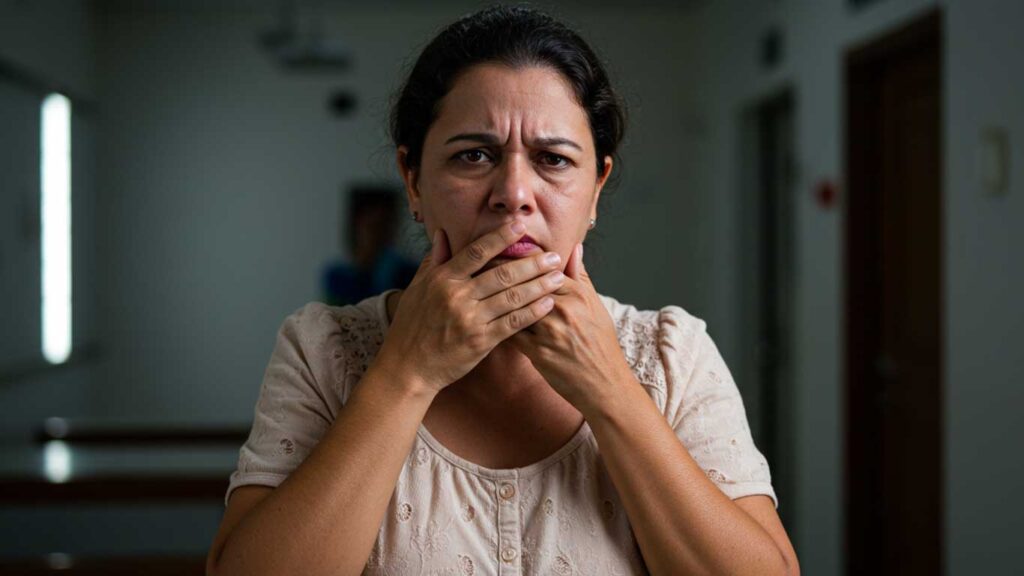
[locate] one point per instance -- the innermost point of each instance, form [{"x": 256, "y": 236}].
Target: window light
[{"x": 55, "y": 223}]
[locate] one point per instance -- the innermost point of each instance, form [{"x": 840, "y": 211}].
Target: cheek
[
  {"x": 569, "y": 210},
  {"x": 566, "y": 220},
  {"x": 445, "y": 196},
  {"x": 451, "y": 204}
]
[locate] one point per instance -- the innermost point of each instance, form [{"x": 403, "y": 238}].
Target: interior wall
[
  {"x": 51, "y": 38},
  {"x": 982, "y": 85},
  {"x": 51, "y": 43},
  {"x": 220, "y": 178},
  {"x": 984, "y": 279}
]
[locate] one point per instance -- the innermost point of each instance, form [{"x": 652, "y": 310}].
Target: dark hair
[{"x": 516, "y": 36}]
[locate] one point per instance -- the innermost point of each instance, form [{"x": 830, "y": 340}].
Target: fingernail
[
  {"x": 557, "y": 277},
  {"x": 581, "y": 251},
  {"x": 518, "y": 227},
  {"x": 552, "y": 259}
]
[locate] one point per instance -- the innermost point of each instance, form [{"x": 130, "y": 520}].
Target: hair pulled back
[{"x": 516, "y": 36}]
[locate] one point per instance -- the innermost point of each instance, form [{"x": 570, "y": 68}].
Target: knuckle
[
  {"x": 476, "y": 252},
  {"x": 448, "y": 295},
  {"x": 514, "y": 297},
  {"x": 504, "y": 275},
  {"x": 440, "y": 276},
  {"x": 552, "y": 282},
  {"x": 465, "y": 321},
  {"x": 515, "y": 320},
  {"x": 476, "y": 341}
]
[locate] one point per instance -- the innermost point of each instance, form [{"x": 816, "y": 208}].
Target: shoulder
[
  {"x": 316, "y": 322},
  {"x": 673, "y": 317},
  {"x": 660, "y": 345},
  {"x": 319, "y": 319},
  {"x": 336, "y": 343}
]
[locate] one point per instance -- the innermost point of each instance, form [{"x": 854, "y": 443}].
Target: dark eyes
[
  {"x": 554, "y": 160},
  {"x": 477, "y": 156}
]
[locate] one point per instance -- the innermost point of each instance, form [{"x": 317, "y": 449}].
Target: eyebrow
[{"x": 492, "y": 140}]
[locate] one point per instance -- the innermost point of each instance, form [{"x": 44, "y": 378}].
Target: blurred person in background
[{"x": 376, "y": 265}]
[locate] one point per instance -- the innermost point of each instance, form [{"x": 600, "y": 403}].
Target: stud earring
[
  {"x": 592, "y": 224},
  {"x": 416, "y": 216}
]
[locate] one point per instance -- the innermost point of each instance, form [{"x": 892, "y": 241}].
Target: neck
[{"x": 502, "y": 376}]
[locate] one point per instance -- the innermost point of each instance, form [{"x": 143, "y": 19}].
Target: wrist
[
  {"x": 399, "y": 381},
  {"x": 607, "y": 402}
]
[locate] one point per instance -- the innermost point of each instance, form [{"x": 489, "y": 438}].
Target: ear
[
  {"x": 602, "y": 179},
  {"x": 409, "y": 177}
]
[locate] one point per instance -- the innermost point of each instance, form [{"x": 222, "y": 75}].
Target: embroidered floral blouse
[{"x": 448, "y": 516}]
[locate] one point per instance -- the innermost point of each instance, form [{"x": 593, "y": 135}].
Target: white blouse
[{"x": 448, "y": 516}]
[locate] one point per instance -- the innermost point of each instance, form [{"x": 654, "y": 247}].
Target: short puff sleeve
[
  {"x": 298, "y": 400},
  {"x": 704, "y": 408}
]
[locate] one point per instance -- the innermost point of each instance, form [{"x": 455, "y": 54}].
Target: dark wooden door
[{"x": 893, "y": 304}]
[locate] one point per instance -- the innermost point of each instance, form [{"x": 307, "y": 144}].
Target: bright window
[{"x": 55, "y": 223}]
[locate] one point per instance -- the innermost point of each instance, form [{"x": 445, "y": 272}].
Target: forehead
[{"x": 534, "y": 101}]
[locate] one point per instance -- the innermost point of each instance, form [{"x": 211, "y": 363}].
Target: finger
[
  {"x": 504, "y": 326},
  {"x": 570, "y": 266},
  {"x": 520, "y": 295},
  {"x": 479, "y": 252},
  {"x": 514, "y": 273},
  {"x": 574, "y": 269},
  {"x": 440, "y": 251},
  {"x": 426, "y": 263}
]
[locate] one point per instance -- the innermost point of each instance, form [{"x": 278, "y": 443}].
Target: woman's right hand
[{"x": 448, "y": 320}]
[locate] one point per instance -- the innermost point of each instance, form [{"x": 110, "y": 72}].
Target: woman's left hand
[{"x": 575, "y": 347}]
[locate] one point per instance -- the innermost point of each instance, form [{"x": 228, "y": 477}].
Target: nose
[{"x": 512, "y": 190}]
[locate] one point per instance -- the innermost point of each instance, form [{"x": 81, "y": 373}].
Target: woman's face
[{"x": 508, "y": 144}]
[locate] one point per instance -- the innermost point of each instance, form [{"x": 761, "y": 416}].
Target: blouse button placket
[
  {"x": 510, "y": 530},
  {"x": 509, "y": 554},
  {"x": 507, "y": 491}
]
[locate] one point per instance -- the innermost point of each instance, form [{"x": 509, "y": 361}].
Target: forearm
[
  {"x": 324, "y": 517},
  {"x": 681, "y": 520}
]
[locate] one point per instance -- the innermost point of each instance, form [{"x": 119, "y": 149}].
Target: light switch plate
[{"x": 993, "y": 161}]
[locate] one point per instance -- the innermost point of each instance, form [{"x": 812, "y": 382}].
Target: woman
[{"x": 499, "y": 416}]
